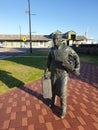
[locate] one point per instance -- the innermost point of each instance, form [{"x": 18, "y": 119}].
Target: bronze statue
[{"x": 61, "y": 60}]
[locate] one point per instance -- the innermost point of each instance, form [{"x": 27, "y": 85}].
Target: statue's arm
[
  {"x": 77, "y": 62},
  {"x": 48, "y": 64}
]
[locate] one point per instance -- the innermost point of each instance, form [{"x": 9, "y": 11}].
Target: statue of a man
[{"x": 57, "y": 62}]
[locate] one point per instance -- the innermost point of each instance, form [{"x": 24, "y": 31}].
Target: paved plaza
[{"x": 25, "y": 109}]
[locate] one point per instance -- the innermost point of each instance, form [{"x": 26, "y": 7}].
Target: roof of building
[
  {"x": 81, "y": 38},
  {"x": 17, "y": 37},
  {"x": 8, "y": 37}
]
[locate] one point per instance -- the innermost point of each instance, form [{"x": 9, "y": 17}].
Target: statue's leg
[
  {"x": 63, "y": 101},
  {"x": 63, "y": 97},
  {"x": 53, "y": 100}
]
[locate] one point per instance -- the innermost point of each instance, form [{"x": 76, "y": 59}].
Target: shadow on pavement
[{"x": 7, "y": 79}]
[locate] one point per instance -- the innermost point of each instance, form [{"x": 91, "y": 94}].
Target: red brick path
[{"x": 25, "y": 109}]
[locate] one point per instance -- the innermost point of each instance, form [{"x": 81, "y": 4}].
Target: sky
[{"x": 48, "y": 16}]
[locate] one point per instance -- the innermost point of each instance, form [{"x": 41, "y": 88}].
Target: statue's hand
[
  {"x": 46, "y": 73},
  {"x": 45, "y": 76}
]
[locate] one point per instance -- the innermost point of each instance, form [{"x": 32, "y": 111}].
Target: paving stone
[{"x": 25, "y": 109}]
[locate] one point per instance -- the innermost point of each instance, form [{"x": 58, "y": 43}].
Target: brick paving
[{"x": 25, "y": 109}]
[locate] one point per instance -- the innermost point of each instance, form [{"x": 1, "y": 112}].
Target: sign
[
  {"x": 24, "y": 39},
  {"x": 69, "y": 36}
]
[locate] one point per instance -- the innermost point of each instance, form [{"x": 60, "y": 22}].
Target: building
[
  {"x": 39, "y": 40},
  {"x": 23, "y": 41}
]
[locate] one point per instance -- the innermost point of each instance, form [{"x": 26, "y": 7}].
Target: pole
[
  {"x": 20, "y": 35},
  {"x": 30, "y": 26}
]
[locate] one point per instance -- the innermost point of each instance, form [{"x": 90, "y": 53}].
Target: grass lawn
[
  {"x": 17, "y": 71},
  {"x": 89, "y": 58},
  {"x": 20, "y": 70}
]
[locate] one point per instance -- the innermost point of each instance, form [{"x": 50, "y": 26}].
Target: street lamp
[{"x": 30, "y": 26}]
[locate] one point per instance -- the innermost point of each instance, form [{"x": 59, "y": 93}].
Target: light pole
[
  {"x": 30, "y": 26},
  {"x": 20, "y": 35}
]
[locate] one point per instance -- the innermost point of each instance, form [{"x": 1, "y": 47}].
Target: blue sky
[{"x": 64, "y": 15}]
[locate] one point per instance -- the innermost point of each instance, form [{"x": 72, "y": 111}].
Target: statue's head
[{"x": 57, "y": 38}]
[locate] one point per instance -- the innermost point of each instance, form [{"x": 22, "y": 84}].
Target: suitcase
[{"x": 46, "y": 87}]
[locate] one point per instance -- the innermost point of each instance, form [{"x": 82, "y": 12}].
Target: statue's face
[{"x": 57, "y": 41}]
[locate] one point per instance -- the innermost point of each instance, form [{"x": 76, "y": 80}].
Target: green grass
[
  {"x": 89, "y": 58},
  {"x": 17, "y": 71},
  {"x": 39, "y": 53}
]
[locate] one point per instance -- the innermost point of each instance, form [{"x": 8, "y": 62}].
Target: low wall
[{"x": 91, "y": 49}]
